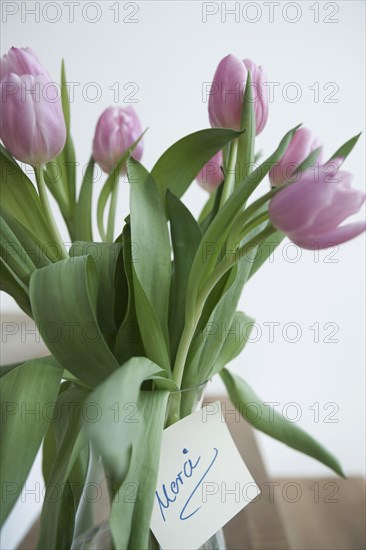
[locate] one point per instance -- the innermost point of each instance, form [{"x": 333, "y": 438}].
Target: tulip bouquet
[{"x": 125, "y": 315}]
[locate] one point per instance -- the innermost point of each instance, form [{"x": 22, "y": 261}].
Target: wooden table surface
[{"x": 296, "y": 514}]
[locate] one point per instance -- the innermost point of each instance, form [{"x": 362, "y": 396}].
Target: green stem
[
  {"x": 224, "y": 266},
  {"x": 185, "y": 342},
  {"x": 54, "y": 232},
  {"x": 180, "y": 361},
  {"x": 245, "y": 218},
  {"x": 230, "y": 174},
  {"x": 252, "y": 224},
  {"x": 84, "y": 518},
  {"x": 112, "y": 211},
  {"x": 173, "y": 409},
  {"x": 190, "y": 327},
  {"x": 247, "y": 140}
]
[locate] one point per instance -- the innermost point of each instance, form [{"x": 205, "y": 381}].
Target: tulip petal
[
  {"x": 345, "y": 203},
  {"x": 21, "y": 61},
  {"x": 117, "y": 129},
  {"x": 332, "y": 238},
  {"x": 32, "y": 124},
  {"x": 302, "y": 145},
  {"x": 260, "y": 94},
  {"x": 211, "y": 175},
  {"x": 226, "y": 95},
  {"x": 295, "y": 207},
  {"x": 311, "y": 212}
]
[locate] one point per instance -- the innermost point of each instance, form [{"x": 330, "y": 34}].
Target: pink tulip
[
  {"x": 226, "y": 96},
  {"x": 302, "y": 144},
  {"x": 32, "y": 125},
  {"x": 311, "y": 210},
  {"x": 211, "y": 175},
  {"x": 21, "y": 61},
  {"x": 117, "y": 129}
]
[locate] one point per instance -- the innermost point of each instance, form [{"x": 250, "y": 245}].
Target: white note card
[{"x": 202, "y": 481}]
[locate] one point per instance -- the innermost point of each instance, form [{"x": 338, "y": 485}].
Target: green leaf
[
  {"x": 67, "y": 157},
  {"x": 153, "y": 338},
  {"x": 13, "y": 286},
  {"x": 233, "y": 342},
  {"x": 120, "y": 287},
  {"x": 49, "y": 452},
  {"x": 78, "y": 475},
  {"x": 245, "y": 158},
  {"x": 186, "y": 236},
  {"x": 54, "y": 178},
  {"x": 149, "y": 328},
  {"x": 111, "y": 181},
  {"x": 150, "y": 236},
  {"x": 54, "y": 438},
  {"x": 64, "y": 299},
  {"x": 53, "y": 441},
  {"x": 273, "y": 424},
  {"x": 209, "y": 340},
  {"x": 67, "y": 376},
  {"x": 60, "y": 173},
  {"x": 265, "y": 250},
  {"x": 130, "y": 521},
  {"x": 105, "y": 257},
  {"x": 65, "y": 97},
  {"x": 248, "y": 225},
  {"x": 39, "y": 255},
  {"x": 346, "y": 148},
  {"x": 14, "y": 255},
  {"x": 66, "y": 519},
  {"x": 180, "y": 164},
  {"x": 207, "y": 208},
  {"x": 221, "y": 225},
  {"x": 205, "y": 224},
  {"x": 216, "y": 295},
  {"x": 5, "y": 369},
  {"x": 164, "y": 383},
  {"x": 87, "y": 507},
  {"x": 58, "y": 507},
  {"x": 51, "y": 445},
  {"x": 25, "y": 392},
  {"x": 117, "y": 424},
  {"x": 83, "y": 211},
  {"x": 20, "y": 199},
  {"x": 308, "y": 162},
  {"x": 218, "y": 313},
  {"x": 128, "y": 341}
]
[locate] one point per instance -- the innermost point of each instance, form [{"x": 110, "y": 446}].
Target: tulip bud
[
  {"x": 226, "y": 96},
  {"x": 301, "y": 146},
  {"x": 117, "y": 129},
  {"x": 32, "y": 125},
  {"x": 211, "y": 175},
  {"x": 21, "y": 61},
  {"x": 310, "y": 212}
]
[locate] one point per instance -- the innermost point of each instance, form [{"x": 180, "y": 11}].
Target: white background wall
[{"x": 168, "y": 53}]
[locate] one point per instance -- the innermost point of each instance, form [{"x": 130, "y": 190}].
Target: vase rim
[{"x": 198, "y": 387}]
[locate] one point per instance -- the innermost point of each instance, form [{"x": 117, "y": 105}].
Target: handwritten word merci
[
  {"x": 170, "y": 491},
  {"x": 196, "y": 452}
]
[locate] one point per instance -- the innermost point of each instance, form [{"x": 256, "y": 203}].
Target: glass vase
[{"x": 98, "y": 537}]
